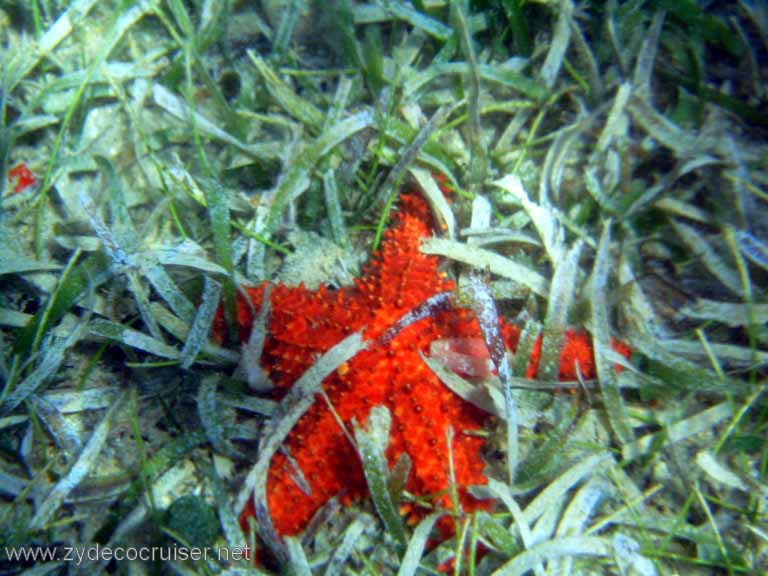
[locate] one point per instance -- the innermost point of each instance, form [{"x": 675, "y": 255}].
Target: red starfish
[{"x": 304, "y": 324}]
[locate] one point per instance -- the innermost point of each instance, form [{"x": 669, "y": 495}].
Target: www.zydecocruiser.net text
[{"x": 98, "y": 553}]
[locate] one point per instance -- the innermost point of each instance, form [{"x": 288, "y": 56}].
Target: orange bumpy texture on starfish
[{"x": 304, "y": 324}]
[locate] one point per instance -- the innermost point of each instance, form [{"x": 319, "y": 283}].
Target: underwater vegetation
[{"x": 383, "y": 287}]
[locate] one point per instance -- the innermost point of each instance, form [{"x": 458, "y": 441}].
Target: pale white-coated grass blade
[{"x": 79, "y": 470}]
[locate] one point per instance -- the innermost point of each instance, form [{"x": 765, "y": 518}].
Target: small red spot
[
  {"x": 443, "y": 183},
  {"x": 23, "y": 177}
]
